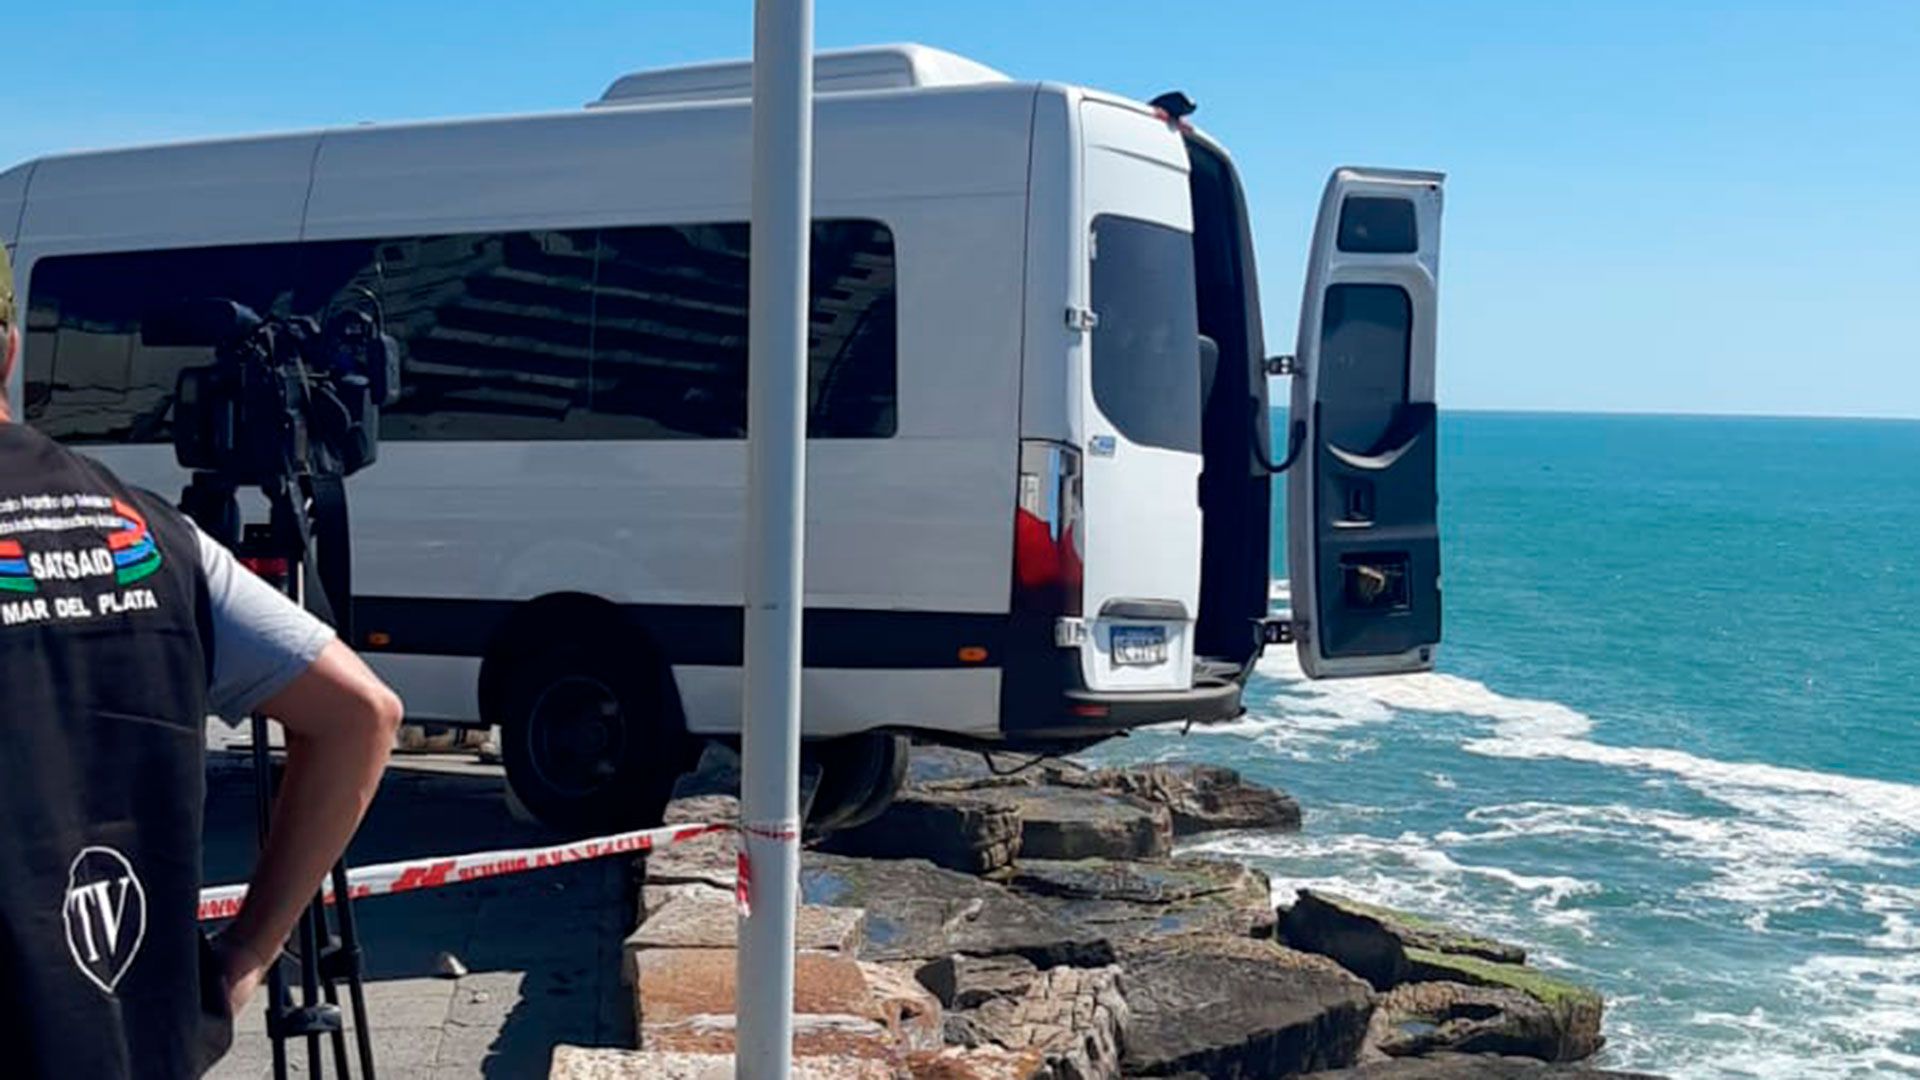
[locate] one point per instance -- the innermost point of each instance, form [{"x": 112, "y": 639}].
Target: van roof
[{"x": 873, "y": 67}]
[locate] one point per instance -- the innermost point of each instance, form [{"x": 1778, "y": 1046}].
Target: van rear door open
[
  {"x": 1363, "y": 544},
  {"x": 1141, "y": 403}
]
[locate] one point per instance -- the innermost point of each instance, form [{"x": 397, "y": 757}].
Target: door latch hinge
[
  {"x": 1277, "y": 632},
  {"x": 1082, "y": 319},
  {"x": 1282, "y": 365}
]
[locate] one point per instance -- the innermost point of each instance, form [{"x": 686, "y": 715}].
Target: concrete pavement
[{"x": 542, "y": 949}]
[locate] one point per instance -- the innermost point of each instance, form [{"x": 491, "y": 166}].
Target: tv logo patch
[{"x": 106, "y": 915}]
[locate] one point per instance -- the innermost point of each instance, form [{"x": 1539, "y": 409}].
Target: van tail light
[
  {"x": 1047, "y": 527},
  {"x": 274, "y": 570}
]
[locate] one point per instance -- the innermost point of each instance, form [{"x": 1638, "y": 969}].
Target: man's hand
[
  {"x": 241, "y": 973},
  {"x": 339, "y": 720}
]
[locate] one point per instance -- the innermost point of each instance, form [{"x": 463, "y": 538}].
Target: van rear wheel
[
  {"x": 592, "y": 741},
  {"x": 859, "y": 776}
]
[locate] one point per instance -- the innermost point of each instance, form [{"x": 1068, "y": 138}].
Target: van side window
[
  {"x": 89, "y": 379},
  {"x": 670, "y": 326},
  {"x": 620, "y": 333},
  {"x": 1146, "y": 341},
  {"x": 495, "y": 332}
]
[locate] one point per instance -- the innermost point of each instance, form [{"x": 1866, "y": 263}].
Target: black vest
[{"x": 104, "y": 648}]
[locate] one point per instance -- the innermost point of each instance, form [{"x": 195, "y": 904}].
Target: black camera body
[{"x": 283, "y": 397}]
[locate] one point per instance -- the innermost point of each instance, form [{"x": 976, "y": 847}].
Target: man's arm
[{"x": 339, "y": 718}]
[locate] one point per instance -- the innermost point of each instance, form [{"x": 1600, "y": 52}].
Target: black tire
[
  {"x": 859, "y": 776},
  {"x": 592, "y": 740}
]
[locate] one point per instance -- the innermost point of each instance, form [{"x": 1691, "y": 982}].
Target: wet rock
[
  {"x": 1204, "y": 798},
  {"x": 1237, "y": 1007},
  {"x": 977, "y": 1063},
  {"x": 1373, "y": 941},
  {"x": 956, "y": 830},
  {"x": 1429, "y": 1017},
  {"x": 917, "y": 911},
  {"x": 1081, "y": 823},
  {"x": 1475, "y": 1067},
  {"x": 1130, "y": 899},
  {"x": 1075, "y": 1018},
  {"x": 1576, "y": 1010}
]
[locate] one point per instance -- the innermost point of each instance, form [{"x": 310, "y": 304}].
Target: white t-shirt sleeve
[{"x": 261, "y": 639}]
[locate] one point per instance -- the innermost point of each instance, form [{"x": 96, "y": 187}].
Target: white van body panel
[
  {"x": 656, "y": 522},
  {"x": 875, "y": 67},
  {"x": 13, "y": 198},
  {"x": 230, "y": 191}
]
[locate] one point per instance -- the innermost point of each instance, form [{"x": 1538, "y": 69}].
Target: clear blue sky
[{"x": 1673, "y": 206}]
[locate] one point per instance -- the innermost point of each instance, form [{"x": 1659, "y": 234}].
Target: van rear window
[{"x": 1146, "y": 342}]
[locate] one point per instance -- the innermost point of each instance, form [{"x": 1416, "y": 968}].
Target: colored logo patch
[
  {"x": 14, "y": 574},
  {"x": 134, "y": 554}
]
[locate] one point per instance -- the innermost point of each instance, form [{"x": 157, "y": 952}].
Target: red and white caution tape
[{"x": 381, "y": 879}]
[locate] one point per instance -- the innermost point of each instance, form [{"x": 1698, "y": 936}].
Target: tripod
[{"x": 303, "y": 549}]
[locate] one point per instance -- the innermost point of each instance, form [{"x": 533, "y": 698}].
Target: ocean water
[{"x": 1673, "y": 744}]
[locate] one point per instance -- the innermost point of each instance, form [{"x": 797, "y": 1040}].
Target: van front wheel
[{"x": 592, "y": 742}]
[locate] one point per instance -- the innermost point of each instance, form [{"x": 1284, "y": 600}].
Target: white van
[{"x": 1039, "y": 481}]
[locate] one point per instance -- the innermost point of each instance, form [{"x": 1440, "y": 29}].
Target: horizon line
[{"x": 1671, "y": 414}]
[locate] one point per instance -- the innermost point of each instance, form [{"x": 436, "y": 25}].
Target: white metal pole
[{"x": 776, "y": 516}]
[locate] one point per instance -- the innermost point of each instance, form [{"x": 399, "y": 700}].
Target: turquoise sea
[{"x": 1673, "y": 744}]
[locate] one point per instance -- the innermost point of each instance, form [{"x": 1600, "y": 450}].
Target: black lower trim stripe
[{"x": 697, "y": 633}]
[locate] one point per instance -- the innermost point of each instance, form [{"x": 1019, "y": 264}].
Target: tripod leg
[
  {"x": 338, "y": 1036},
  {"x": 276, "y": 973},
  {"x": 350, "y": 961},
  {"x": 310, "y": 980}
]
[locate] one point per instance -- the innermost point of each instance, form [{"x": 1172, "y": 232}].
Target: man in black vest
[{"x": 122, "y": 628}]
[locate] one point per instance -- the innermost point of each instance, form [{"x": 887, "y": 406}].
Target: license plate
[{"x": 1140, "y": 645}]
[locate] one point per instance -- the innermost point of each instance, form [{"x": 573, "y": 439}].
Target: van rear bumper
[{"x": 1208, "y": 701}]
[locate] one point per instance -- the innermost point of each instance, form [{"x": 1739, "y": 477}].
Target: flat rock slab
[
  {"x": 710, "y": 919},
  {"x": 1475, "y": 1067},
  {"x": 677, "y": 984},
  {"x": 850, "y": 1038},
  {"x": 1082, "y": 823},
  {"x": 1431, "y": 1017},
  {"x": 1239, "y": 1008},
  {"x": 965, "y": 982},
  {"x": 1075, "y": 1018},
  {"x": 583, "y": 1063},
  {"x": 956, "y": 830},
  {"x": 1372, "y": 941},
  {"x": 918, "y": 911},
  {"x": 1131, "y": 899},
  {"x": 711, "y": 860},
  {"x": 1204, "y": 798},
  {"x": 978, "y": 1063},
  {"x": 1576, "y": 1010}
]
